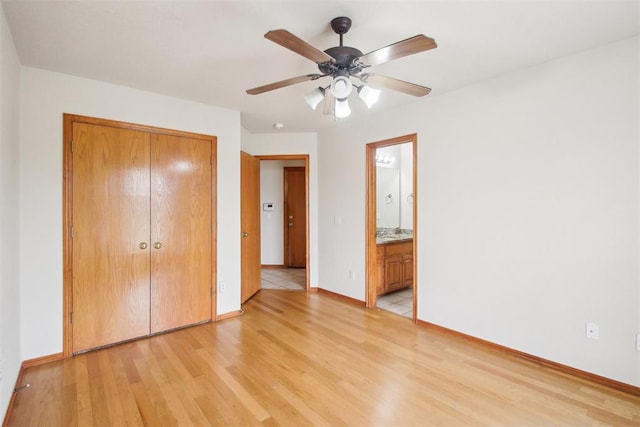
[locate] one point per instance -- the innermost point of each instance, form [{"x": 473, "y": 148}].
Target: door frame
[
  {"x": 304, "y": 157},
  {"x": 371, "y": 226},
  {"x": 67, "y": 214}
]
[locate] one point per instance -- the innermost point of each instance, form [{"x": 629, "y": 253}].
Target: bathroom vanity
[{"x": 394, "y": 262}]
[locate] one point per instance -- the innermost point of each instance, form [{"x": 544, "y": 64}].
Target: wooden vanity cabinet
[
  {"x": 380, "y": 269},
  {"x": 395, "y": 266},
  {"x": 407, "y": 270}
]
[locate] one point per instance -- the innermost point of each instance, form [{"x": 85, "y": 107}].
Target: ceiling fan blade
[
  {"x": 415, "y": 44},
  {"x": 283, "y": 83},
  {"x": 285, "y": 39},
  {"x": 395, "y": 84},
  {"x": 329, "y": 104}
]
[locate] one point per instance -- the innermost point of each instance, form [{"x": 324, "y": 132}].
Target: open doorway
[
  {"x": 284, "y": 184},
  {"x": 392, "y": 225}
]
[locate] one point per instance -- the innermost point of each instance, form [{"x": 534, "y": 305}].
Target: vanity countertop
[{"x": 394, "y": 238}]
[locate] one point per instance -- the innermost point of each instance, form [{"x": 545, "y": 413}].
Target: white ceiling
[{"x": 212, "y": 51}]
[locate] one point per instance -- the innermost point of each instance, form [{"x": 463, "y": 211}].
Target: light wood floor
[{"x": 309, "y": 359}]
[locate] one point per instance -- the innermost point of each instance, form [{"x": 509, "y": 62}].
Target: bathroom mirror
[{"x": 394, "y": 186}]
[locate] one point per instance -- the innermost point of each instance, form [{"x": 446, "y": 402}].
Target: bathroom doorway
[{"x": 391, "y": 224}]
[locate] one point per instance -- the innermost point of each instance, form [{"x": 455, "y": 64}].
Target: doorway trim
[
  {"x": 304, "y": 157},
  {"x": 371, "y": 246}
]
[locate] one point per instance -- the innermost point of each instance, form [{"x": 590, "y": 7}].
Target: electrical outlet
[
  {"x": 222, "y": 287},
  {"x": 592, "y": 331}
]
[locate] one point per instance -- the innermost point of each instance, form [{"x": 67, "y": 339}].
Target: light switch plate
[{"x": 592, "y": 331}]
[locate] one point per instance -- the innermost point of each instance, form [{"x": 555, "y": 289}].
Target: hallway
[{"x": 292, "y": 279}]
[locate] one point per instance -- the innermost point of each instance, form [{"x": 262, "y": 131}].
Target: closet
[{"x": 139, "y": 255}]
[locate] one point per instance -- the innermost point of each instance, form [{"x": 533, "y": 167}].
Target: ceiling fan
[{"x": 342, "y": 63}]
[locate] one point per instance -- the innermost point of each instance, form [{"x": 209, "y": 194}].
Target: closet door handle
[
  {"x": 157, "y": 245},
  {"x": 143, "y": 245}
]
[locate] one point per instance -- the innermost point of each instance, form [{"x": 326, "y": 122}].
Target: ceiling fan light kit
[
  {"x": 369, "y": 95},
  {"x": 341, "y": 87},
  {"x": 342, "y": 108},
  {"x": 343, "y": 63},
  {"x": 314, "y": 97}
]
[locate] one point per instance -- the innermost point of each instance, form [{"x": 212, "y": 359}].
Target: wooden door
[
  {"x": 250, "y": 224},
  {"x": 295, "y": 224},
  {"x": 110, "y": 235},
  {"x": 181, "y": 226}
]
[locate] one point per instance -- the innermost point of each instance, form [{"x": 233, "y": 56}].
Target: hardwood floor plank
[
  {"x": 310, "y": 359},
  {"x": 157, "y": 401},
  {"x": 84, "y": 406},
  {"x": 145, "y": 405},
  {"x": 242, "y": 394},
  {"x": 114, "y": 410},
  {"x": 120, "y": 371}
]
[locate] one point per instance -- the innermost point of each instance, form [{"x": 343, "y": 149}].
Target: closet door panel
[
  {"x": 111, "y": 211},
  {"x": 181, "y": 231}
]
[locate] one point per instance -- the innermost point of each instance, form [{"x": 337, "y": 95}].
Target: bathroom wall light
[{"x": 385, "y": 160}]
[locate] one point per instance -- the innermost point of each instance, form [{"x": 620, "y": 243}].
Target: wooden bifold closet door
[
  {"x": 141, "y": 226},
  {"x": 180, "y": 226},
  {"x": 111, "y": 214}
]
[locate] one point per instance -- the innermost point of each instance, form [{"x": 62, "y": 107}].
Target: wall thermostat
[{"x": 268, "y": 206}]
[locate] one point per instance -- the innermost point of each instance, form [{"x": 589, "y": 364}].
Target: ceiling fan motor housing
[
  {"x": 345, "y": 56},
  {"x": 344, "y": 64}
]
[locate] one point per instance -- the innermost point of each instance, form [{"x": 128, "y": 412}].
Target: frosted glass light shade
[
  {"x": 342, "y": 108},
  {"x": 314, "y": 97},
  {"x": 341, "y": 87},
  {"x": 369, "y": 95}
]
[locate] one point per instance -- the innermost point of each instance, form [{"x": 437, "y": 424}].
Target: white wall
[
  {"x": 272, "y": 222},
  {"x": 10, "y": 356},
  {"x": 45, "y": 96},
  {"x": 527, "y": 208},
  {"x": 293, "y": 143}
]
